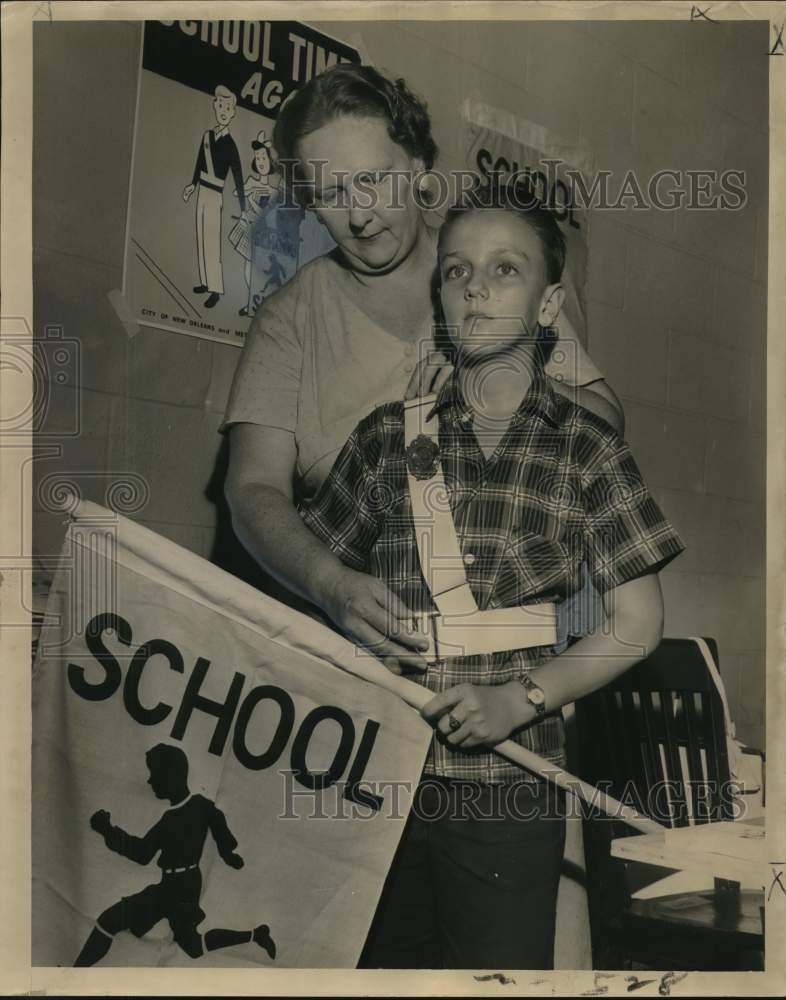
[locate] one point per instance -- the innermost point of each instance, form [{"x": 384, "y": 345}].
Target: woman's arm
[
  {"x": 633, "y": 629},
  {"x": 259, "y": 492}
]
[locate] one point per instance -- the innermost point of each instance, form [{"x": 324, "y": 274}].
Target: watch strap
[{"x": 535, "y": 694}]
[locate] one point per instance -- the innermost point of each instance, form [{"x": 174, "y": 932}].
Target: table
[{"x": 733, "y": 851}]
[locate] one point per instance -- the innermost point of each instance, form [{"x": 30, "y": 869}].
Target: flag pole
[{"x": 415, "y": 695}]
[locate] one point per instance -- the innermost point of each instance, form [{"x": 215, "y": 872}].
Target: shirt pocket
[
  {"x": 535, "y": 564},
  {"x": 394, "y": 510}
]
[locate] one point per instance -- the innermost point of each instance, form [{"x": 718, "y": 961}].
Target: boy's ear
[{"x": 550, "y": 304}]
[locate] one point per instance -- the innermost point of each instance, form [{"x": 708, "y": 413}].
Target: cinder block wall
[{"x": 676, "y": 301}]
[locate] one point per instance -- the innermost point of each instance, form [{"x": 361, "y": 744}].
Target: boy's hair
[
  {"x": 516, "y": 196},
  {"x": 362, "y": 92},
  {"x": 225, "y": 94}
]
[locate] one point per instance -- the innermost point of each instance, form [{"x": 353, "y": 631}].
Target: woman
[{"x": 351, "y": 330}]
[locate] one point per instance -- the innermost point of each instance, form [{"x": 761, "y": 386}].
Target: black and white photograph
[{"x": 392, "y": 559}]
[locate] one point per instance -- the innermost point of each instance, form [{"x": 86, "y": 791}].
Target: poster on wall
[
  {"x": 210, "y": 231},
  {"x": 498, "y": 144}
]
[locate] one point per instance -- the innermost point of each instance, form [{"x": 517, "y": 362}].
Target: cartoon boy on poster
[{"x": 217, "y": 155}]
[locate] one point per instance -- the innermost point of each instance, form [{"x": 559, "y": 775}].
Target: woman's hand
[
  {"x": 266, "y": 522},
  {"x": 430, "y": 374},
  {"x": 373, "y": 617},
  {"x": 486, "y": 714},
  {"x": 597, "y": 397}
]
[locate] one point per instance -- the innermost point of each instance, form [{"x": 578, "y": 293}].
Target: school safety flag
[{"x": 210, "y": 784}]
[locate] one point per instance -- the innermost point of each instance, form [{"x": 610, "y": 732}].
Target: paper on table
[{"x": 735, "y": 840}]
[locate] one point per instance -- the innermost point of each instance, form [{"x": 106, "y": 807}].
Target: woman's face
[
  {"x": 262, "y": 160},
  {"x": 362, "y": 191}
]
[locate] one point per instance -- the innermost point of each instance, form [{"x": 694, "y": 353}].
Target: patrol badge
[{"x": 423, "y": 457}]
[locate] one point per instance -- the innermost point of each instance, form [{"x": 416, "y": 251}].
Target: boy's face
[
  {"x": 224, "y": 109},
  {"x": 493, "y": 283}
]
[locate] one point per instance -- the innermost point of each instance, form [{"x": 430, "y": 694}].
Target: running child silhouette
[{"x": 179, "y": 836}]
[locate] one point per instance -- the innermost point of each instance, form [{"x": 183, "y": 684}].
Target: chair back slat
[
  {"x": 630, "y": 733},
  {"x": 696, "y": 778},
  {"x": 652, "y": 763},
  {"x": 606, "y": 708},
  {"x": 675, "y": 786},
  {"x": 718, "y": 775}
]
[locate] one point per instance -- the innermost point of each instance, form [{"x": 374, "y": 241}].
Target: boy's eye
[
  {"x": 505, "y": 267},
  {"x": 455, "y": 271}
]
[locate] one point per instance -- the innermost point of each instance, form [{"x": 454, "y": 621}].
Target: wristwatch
[{"x": 535, "y": 694}]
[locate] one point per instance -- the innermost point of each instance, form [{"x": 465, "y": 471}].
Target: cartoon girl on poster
[{"x": 259, "y": 187}]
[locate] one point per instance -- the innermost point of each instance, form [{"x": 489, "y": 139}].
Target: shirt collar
[
  {"x": 540, "y": 400},
  {"x": 220, "y": 131}
]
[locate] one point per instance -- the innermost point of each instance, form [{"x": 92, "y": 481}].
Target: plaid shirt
[{"x": 561, "y": 489}]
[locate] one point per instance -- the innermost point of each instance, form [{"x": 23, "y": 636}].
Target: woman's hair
[
  {"x": 516, "y": 196},
  {"x": 361, "y": 92}
]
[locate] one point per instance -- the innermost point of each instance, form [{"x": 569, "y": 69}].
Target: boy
[
  {"x": 484, "y": 519},
  {"x": 180, "y": 837}
]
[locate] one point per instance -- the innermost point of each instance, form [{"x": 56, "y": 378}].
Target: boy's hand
[
  {"x": 100, "y": 821},
  {"x": 430, "y": 374},
  {"x": 234, "y": 860},
  {"x": 373, "y": 617},
  {"x": 486, "y": 714}
]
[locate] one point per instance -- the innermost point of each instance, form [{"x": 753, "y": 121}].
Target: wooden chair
[{"x": 655, "y": 738}]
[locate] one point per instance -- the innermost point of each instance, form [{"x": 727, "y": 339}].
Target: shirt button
[
  {"x": 469, "y": 559},
  {"x": 408, "y": 368}
]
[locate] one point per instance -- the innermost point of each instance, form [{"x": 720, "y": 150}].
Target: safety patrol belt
[
  {"x": 460, "y": 628},
  {"x": 209, "y": 174}
]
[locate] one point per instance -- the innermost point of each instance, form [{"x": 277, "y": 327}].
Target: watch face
[{"x": 536, "y": 696}]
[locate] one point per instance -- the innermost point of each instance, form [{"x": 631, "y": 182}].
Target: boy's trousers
[{"x": 474, "y": 882}]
